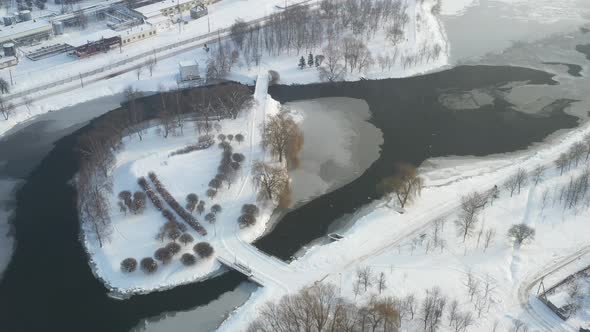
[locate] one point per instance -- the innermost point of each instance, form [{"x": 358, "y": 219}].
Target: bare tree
[
  {"x": 519, "y": 326},
  {"x": 432, "y": 309},
  {"x": 318, "y": 308},
  {"x": 381, "y": 282},
  {"x": 472, "y": 285},
  {"x": 333, "y": 70},
  {"x": 4, "y": 86},
  {"x": 6, "y": 108},
  {"x": 151, "y": 64},
  {"x": 238, "y": 32},
  {"x": 489, "y": 236},
  {"x": 139, "y": 71},
  {"x": 409, "y": 305},
  {"x": 405, "y": 185},
  {"x": 282, "y": 136},
  {"x": 463, "y": 321},
  {"x": 561, "y": 163},
  {"x": 453, "y": 312},
  {"x": 471, "y": 205},
  {"x": 516, "y": 181},
  {"x": 576, "y": 153},
  {"x": 135, "y": 111},
  {"x": 269, "y": 180},
  {"x": 520, "y": 233},
  {"x": 365, "y": 275},
  {"x": 538, "y": 174}
]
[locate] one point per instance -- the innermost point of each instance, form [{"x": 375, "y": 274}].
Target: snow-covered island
[
  {"x": 163, "y": 160},
  {"x": 180, "y": 196}
]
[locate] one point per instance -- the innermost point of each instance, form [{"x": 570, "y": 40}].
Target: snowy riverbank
[{"x": 405, "y": 253}]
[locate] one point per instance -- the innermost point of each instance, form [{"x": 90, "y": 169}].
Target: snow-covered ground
[
  {"x": 399, "y": 252},
  {"x": 575, "y": 295}
]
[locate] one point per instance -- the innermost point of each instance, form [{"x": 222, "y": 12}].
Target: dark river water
[{"x": 49, "y": 286}]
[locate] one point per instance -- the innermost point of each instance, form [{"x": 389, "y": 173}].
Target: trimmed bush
[
  {"x": 192, "y": 198},
  {"x": 203, "y": 249},
  {"x": 188, "y": 259},
  {"x": 186, "y": 238},
  {"x": 238, "y": 157},
  {"x": 210, "y": 217},
  {"x": 128, "y": 265},
  {"x": 173, "y": 248},
  {"x": 225, "y": 146},
  {"x": 215, "y": 183},
  {"x": 201, "y": 207},
  {"x": 163, "y": 255},
  {"x": 216, "y": 208},
  {"x": 139, "y": 201},
  {"x": 148, "y": 265},
  {"x": 174, "y": 234},
  {"x": 211, "y": 193},
  {"x": 250, "y": 209},
  {"x": 246, "y": 220},
  {"x": 124, "y": 195}
]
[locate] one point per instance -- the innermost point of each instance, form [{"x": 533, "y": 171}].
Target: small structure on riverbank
[{"x": 189, "y": 71}]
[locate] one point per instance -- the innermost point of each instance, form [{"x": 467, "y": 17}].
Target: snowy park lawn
[{"x": 134, "y": 235}]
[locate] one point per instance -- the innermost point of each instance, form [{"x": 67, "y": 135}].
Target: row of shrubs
[
  {"x": 205, "y": 142},
  {"x": 226, "y": 171},
  {"x": 239, "y": 137},
  {"x": 165, "y": 254},
  {"x": 150, "y": 193},
  {"x": 184, "y": 214},
  {"x": 249, "y": 214},
  {"x": 172, "y": 228}
]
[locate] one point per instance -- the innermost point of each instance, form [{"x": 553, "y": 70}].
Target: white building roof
[
  {"x": 23, "y": 29},
  {"x": 84, "y": 39},
  {"x": 187, "y": 63},
  {"x": 7, "y": 59},
  {"x": 158, "y": 20},
  {"x": 155, "y": 9},
  {"x": 137, "y": 29}
]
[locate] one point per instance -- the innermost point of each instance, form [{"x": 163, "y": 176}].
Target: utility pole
[
  {"x": 208, "y": 23},
  {"x": 81, "y": 82},
  {"x": 10, "y": 72}
]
